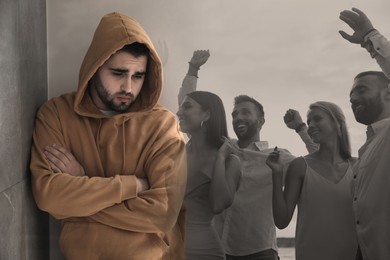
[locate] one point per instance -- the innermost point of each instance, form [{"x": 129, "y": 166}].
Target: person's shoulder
[
  {"x": 160, "y": 114},
  {"x": 159, "y": 109},
  {"x": 297, "y": 167},
  {"x": 161, "y": 120},
  {"x": 299, "y": 161},
  {"x": 65, "y": 100}
]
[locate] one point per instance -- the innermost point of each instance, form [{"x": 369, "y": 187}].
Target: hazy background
[{"x": 286, "y": 54}]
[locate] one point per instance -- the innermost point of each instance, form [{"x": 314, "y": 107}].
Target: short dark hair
[
  {"x": 136, "y": 49},
  {"x": 379, "y": 74},
  {"x": 216, "y": 124},
  {"x": 244, "y": 98}
]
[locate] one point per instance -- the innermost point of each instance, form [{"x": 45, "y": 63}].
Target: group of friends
[{"x": 113, "y": 165}]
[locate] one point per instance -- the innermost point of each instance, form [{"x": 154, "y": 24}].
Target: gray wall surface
[{"x": 23, "y": 88}]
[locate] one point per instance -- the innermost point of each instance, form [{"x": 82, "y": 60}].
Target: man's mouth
[
  {"x": 181, "y": 120},
  {"x": 241, "y": 127},
  {"x": 124, "y": 99}
]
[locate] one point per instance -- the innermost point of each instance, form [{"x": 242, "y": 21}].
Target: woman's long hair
[
  {"x": 215, "y": 127},
  {"x": 338, "y": 117}
]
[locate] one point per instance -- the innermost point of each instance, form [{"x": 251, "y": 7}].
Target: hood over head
[{"x": 114, "y": 31}]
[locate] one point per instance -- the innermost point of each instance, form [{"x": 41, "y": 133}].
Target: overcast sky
[{"x": 286, "y": 54}]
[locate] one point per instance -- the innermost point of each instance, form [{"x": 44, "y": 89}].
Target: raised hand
[
  {"x": 63, "y": 161},
  {"x": 359, "y": 22},
  {"x": 292, "y": 119},
  {"x": 199, "y": 57}
]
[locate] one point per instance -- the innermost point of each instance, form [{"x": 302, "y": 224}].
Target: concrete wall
[{"x": 23, "y": 88}]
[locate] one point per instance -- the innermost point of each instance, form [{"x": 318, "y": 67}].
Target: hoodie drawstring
[
  {"x": 123, "y": 145},
  {"x": 98, "y": 135}
]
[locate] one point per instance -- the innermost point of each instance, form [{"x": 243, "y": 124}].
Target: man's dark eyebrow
[
  {"x": 138, "y": 73},
  {"x": 119, "y": 70}
]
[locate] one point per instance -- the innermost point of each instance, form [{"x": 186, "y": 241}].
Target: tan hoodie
[{"x": 102, "y": 215}]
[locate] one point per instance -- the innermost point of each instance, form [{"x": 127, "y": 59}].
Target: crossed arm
[
  {"x": 63, "y": 161},
  {"x": 61, "y": 187}
]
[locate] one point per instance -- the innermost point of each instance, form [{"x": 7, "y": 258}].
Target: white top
[{"x": 248, "y": 226}]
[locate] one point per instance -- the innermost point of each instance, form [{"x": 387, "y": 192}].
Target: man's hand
[
  {"x": 292, "y": 119},
  {"x": 199, "y": 57},
  {"x": 142, "y": 184},
  {"x": 63, "y": 161},
  {"x": 359, "y": 22}
]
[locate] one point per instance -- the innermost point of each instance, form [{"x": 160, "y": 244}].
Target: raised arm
[
  {"x": 360, "y": 24},
  {"x": 199, "y": 57},
  {"x": 367, "y": 36},
  {"x": 293, "y": 120},
  {"x": 285, "y": 197}
]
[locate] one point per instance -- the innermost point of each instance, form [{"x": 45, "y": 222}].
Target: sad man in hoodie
[{"x": 108, "y": 160}]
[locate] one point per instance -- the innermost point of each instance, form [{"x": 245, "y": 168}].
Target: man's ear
[
  {"x": 260, "y": 122},
  {"x": 387, "y": 93}
]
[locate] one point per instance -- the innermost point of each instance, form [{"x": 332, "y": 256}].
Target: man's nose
[
  {"x": 179, "y": 112},
  {"x": 237, "y": 116},
  {"x": 311, "y": 124},
  {"x": 127, "y": 85}
]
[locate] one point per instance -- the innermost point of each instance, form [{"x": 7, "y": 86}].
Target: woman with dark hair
[
  {"x": 319, "y": 183},
  {"x": 213, "y": 172}
]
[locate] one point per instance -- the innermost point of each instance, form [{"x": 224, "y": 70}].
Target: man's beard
[
  {"x": 371, "y": 110},
  {"x": 248, "y": 134},
  {"x": 108, "y": 99}
]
